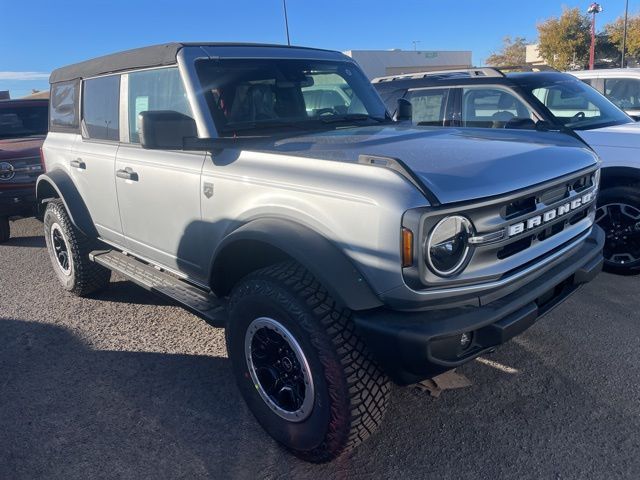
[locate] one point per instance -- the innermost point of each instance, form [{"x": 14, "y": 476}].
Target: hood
[
  {"x": 455, "y": 164},
  {"x": 12, "y": 148},
  {"x": 624, "y": 136}
]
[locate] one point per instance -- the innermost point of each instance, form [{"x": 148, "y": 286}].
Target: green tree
[
  {"x": 514, "y": 52},
  {"x": 564, "y": 41},
  {"x": 615, "y": 32}
]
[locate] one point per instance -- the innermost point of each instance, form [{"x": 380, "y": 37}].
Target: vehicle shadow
[
  {"x": 68, "y": 411},
  {"x": 127, "y": 292},
  {"x": 27, "y": 242}
]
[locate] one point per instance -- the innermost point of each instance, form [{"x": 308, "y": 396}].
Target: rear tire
[
  {"x": 283, "y": 326},
  {"x": 69, "y": 251},
  {"x": 5, "y": 229},
  {"x": 619, "y": 216}
]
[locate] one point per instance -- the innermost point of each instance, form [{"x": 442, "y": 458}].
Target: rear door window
[
  {"x": 490, "y": 107},
  {"x": 429, "y": 106},
  {"x": 624, "y": 92},
  {"x": 100, "y": 108}
]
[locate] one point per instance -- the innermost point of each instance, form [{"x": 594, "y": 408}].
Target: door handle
[
  {"x": 127, "y": 174},
  {"x": 78, "y": 163}
]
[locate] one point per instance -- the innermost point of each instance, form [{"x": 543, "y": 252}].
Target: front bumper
[
  {"x": 412, "y": 346},
  {"x": 18, "y": 202}
]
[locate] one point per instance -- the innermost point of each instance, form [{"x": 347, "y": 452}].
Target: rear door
[
  {"x": 159, "y": 191},
  {"x": 92, "y": 163}
]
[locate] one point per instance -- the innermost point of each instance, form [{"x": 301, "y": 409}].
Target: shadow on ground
[{"x": 71, "y": 412}]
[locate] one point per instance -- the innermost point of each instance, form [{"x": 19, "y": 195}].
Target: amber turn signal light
[{"x": 407, "y": 247}]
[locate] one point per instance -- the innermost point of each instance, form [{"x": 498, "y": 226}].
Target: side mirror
[
  {"x": 404, "y": 111},
  {"x": 165, "y": 129}
]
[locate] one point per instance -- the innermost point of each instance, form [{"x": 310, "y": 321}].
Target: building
[
  {"x": 379, "y": 63},
  {"x": 533, "y": 57}
]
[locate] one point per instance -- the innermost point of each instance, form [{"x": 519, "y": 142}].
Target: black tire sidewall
[
  {"x": 629, "y": 196},
  {"x": 5, "y": 229},
  {"x": 54, "y": 215},
  {"x": 311, "y": 432}
]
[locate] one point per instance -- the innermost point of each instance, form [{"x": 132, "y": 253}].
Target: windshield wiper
[{"x": 350, "y": 117}]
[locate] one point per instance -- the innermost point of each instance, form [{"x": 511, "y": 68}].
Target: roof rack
[
  {"x": 526, "y": 68},
  {"x": 469, "y": 72}
]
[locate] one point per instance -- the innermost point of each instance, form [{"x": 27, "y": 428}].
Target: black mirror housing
[
  {"x": 404, "y": 111},
  {"x": 165, "y": 129}
]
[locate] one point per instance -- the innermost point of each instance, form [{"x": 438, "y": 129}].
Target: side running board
[{"x": 207, "y": 306}]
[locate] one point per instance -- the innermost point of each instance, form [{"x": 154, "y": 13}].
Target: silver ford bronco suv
[{"x": 267, "y": 190}]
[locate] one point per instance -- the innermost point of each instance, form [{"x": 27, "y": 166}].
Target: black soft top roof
[{"x": 152, "y": 56}]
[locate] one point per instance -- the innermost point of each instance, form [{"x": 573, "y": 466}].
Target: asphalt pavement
[{"x": 127, "y": 385}]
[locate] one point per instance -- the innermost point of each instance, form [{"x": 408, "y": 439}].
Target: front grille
[
  {"x": 20, "y": 170},
  {"x": 534, "y": 224}
]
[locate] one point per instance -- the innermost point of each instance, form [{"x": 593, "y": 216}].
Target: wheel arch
[
  {"x": 619, "y": 176},
  {"x": 58, "y": 184},
  {"x": 264, "y": 242}
]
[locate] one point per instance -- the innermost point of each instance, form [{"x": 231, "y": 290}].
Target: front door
[{"x": 159, "y": 191}]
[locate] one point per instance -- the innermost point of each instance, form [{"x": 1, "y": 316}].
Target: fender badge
[{"x": 207, "y": 189}]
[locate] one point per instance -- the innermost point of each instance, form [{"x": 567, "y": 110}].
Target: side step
[{"x": 194, "y": 299}]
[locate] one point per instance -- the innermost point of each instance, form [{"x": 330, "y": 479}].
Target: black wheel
[
  {"x": 303, "y": 371},
  {"x": 5, "y": 229},
  {"x": 619, "y": 216},
  {"x": 69, "y": 251}
]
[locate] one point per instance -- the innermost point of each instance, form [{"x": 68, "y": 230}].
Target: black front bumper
[
  {"x": 412, "y": 346},
  {"x": 18, "y": 202}
]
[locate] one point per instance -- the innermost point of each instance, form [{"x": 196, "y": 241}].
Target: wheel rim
[
  {"x": 60, "y": 249},
  {"x": 621, "y": 223},
  {"x": 279, "y": 369}
]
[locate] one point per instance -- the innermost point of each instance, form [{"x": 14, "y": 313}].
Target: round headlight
[{"x": 448, "y": 245}]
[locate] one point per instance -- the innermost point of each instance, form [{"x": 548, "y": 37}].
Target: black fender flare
[
  {"x": 266, "y": 241},
  {"x": 58, "y": 184}
]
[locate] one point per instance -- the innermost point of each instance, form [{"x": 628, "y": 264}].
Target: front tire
[
  {"x": 69, "y": 251},
  {"x": 5, "y": 229},
  {"x": 300, "y": 366},
  {"x": 618, "y": 215}
]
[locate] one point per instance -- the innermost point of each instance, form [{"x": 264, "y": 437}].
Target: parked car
[
  {"x": 339, "y": 249},
  {"x": 620, "y": 85},
  {"x": 488, "y": 98},
  {"x": 23, "y": 127}
]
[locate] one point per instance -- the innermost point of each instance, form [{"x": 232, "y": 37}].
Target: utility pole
[
  {"x": 415, "y": 45},
  {"x": 624, "y": 35},
  {"x": 593, "y": 9},
  {"x": 286, "y": 21}
]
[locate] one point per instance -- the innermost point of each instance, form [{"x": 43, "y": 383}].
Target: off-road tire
[
  {"x": 5, "y": 229},
  {"x": 629, "y": 195},
  {"x": 85, "y": 277},
  {"x": 351, "y": 392}
]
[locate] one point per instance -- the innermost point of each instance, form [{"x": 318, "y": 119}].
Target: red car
[{"x": 23, "y": 127}]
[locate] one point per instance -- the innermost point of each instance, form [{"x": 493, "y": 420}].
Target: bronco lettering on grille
[{"x": 550, "y": 215}]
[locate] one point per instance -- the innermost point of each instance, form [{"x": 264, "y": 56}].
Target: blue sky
[{"x": 40, "y": 35}]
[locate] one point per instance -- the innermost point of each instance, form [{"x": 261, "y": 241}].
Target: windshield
[
  {"x": 22, "y": 121},
  {"x": 576, "y": 105},
  {"x": 246, "y": 95}
]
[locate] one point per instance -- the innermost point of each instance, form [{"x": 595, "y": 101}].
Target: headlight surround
[{"x": 447, "y": 246}]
